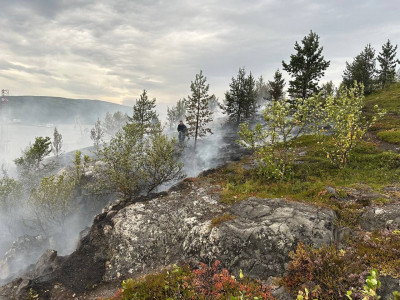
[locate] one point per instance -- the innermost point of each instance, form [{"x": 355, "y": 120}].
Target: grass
[
  {"x": 368, "y": 167},
  {"x": 390, "y": 136}
]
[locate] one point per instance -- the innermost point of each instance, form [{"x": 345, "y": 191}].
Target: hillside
[
  {"x": 43, "y": 109},
  {"x": 323, "y": 229}
]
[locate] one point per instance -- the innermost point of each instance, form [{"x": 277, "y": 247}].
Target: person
[{"x": 182, "y": 132}]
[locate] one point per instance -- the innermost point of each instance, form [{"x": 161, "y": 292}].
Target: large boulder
[{"x": 148, "y": 236}]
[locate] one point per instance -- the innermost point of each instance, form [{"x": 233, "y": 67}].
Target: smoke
[{"x": 24, "y": 237}]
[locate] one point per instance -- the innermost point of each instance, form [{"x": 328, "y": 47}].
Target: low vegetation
[{"x": 182, "y": 282}]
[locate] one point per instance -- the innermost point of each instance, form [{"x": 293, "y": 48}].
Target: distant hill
[{"x": 42, "y": 109}]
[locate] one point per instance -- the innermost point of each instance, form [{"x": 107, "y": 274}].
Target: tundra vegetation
[{"x": 318, "y": 146}]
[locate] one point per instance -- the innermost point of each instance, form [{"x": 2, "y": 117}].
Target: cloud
[{"x": 112, "y": 50}]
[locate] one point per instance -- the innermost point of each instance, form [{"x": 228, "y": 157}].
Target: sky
[{"x": 113, "y": 49}]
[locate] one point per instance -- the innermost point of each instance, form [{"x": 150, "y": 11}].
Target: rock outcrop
[{"x": 132, "y": 239}]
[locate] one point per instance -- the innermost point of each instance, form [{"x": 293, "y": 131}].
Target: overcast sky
[{"x": 113, "y": 49}]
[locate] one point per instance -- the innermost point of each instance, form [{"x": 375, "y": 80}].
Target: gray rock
[
  {"x": 149, "y": 236},
  {"x": 376, "y": 218}
]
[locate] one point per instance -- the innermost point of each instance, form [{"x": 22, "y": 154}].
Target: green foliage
[
  {"x": 306, "y": 67},
  {"x": 387, "y": 61},
  {"x": 177, "y": 113},
  {"x": 80, "y": 166},
  {"x": 372, "y": 285},
  {"x": 132, "y": 163},
  {"x": 52, "y": 202},
  {"x": 273, "y": 142},
  {"x": 144, "y": 114},
  {"x": 347, "y": 123},
  {"x": 30, "y": 165},
  {"x": 57, "y": 142},
  {"x": 241, "y": 100},
  {"x": 362, "y": 70},
  {"x": 262, "y": 91},
  {"x": 390, "y": 136},
  {"x": 276, "y": 86},
  {"x": 34, "y": 154},
  {"x": 203, "y": 283},
  {"x": 198, "y": 115},
  {"x": 10, "y": 193}
]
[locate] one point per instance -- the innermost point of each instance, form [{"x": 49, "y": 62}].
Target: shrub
[
  {"x": 203, "y": 283},
  {"x": 390, "y": 136}
]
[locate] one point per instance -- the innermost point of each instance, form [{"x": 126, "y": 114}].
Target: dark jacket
[{"x": 182, "y": 128}]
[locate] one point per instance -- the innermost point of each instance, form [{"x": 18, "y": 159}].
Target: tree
[
  {"x": 33, "y": 156},
  {"x": 387, "y": 61},
  {"x": 114, "y": 122},
  {"x": 306, "y": 67},
  {"x": 144, "y": 112},
  {"x": 198, "y": 113},
  {"x": 30, "y": 166},
  {"x": 346, "y": 124},
  {"x": 240, "y": 101},
  {"x": 362, "y": 70},
  {"x": 180, "y": 109},
  {"x": 52, "y": 202},
  {"x": 171, "y": 116},
  {"x": 276, "y": 86},
  {"x": 11, "y": 193},
  {"x": 57, "y": 142},
  {"x": 262, "y": 90},
  {"x": 134, "y": 164},
  {"x": 273, "y": 141},
  {"x": 97, "y": 133}
]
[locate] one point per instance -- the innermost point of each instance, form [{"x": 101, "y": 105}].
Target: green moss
[
  {"x": 390, "y": 136},
  {"x": 220, "y": 219}
]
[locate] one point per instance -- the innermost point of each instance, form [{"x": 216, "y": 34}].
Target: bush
[
  {"x": 134, "y": 162},
  {"x": 184, "y": 283},
  {"x": 390, "y": 136}
]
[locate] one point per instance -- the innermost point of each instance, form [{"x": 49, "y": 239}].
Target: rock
[
  {"x": 149, "y": 236},
  {"x": 389, "y": 285},
  {"x": 24, "y": 251},
  {"x": 376, "y": 218}
]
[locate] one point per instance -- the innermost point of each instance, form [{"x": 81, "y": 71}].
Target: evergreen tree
[
  {"x": 180, "y": 109},
  {"x": 240, "y": 101},
  {"x": 306, "y": 67},
  {"x": 262, "y": 90},
  {"x": 387, "y": 61},
  {"x": 276, "y": 86},
  {"x": 114, "y": 122},
  {"x": 362, "y": 70},
  {"x": 171, "y": 116},
  {"x": 144, "y": 113},
  {"x": 198, "y": 113},
  {"x": 57, "y": 142}
]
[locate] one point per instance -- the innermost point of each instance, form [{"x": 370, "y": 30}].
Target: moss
[
  {"x": 390, "y": 136},
  {"x": 220, "y": 219}
]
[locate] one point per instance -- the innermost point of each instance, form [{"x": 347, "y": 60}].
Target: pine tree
[
  {"x": 306, "y": 67},
  {"x": 387, "y": 61},
  {"x": 362, "y": 70},
  {"x": 144, "y": 112},
  {"x": 57, "y": 142},
  {"x": 262, "y": 91},
  {"x": 171, "y": 116},
  {"x": 276, "y": 86},
  {"x": 241, "y": 99},
  {"x": 198, "y": 113},
  {"x": 180, "y": 109}
]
